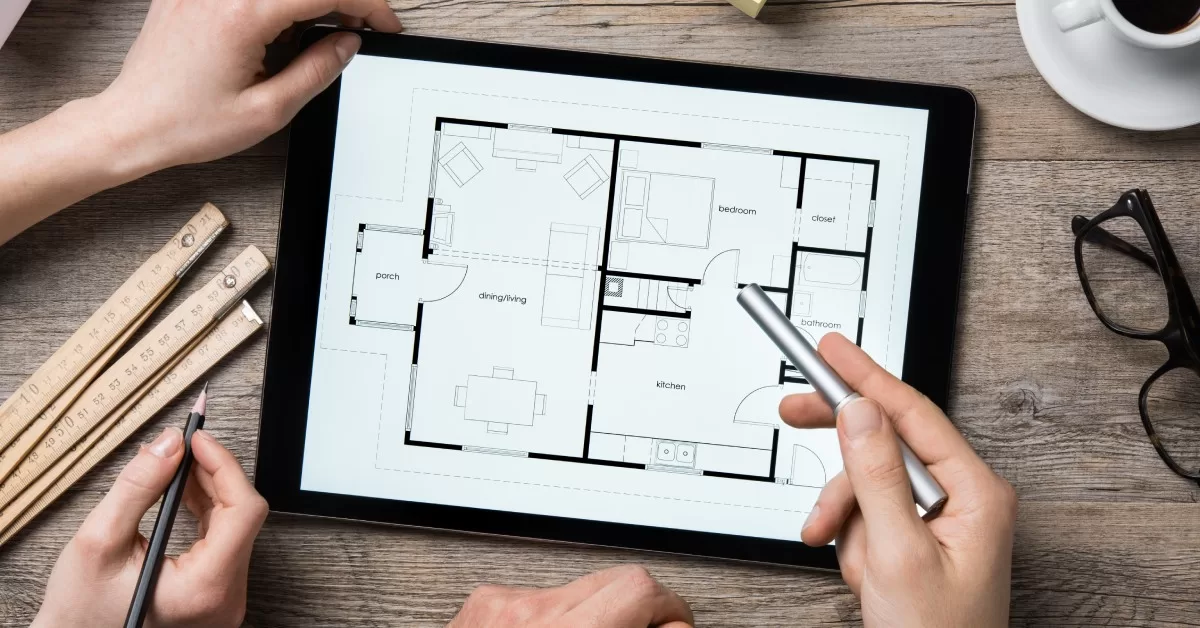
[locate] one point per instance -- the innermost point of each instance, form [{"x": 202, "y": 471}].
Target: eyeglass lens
[
  {"x": 1173, "y": 406},
  {"x": 1128, "y": 291}
]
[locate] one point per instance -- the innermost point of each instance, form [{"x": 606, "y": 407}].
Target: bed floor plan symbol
[{"x": 570, "y": 295}]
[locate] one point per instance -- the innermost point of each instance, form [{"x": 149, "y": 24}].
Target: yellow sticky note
[{"x": 749, "y": 7}]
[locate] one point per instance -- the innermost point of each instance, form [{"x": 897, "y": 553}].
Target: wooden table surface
[{"x": 1107, "y": 534}]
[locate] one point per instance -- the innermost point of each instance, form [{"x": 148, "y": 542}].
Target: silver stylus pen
[{"x": 926, "y": 491}]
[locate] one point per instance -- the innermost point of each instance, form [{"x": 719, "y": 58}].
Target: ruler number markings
[
  {"x": 114, "y": 316},
  {"x": 86, "y": 453},
  {"x": 141, "y": 362}
]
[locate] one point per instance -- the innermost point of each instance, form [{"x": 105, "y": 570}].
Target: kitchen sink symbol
[{"x": 674, "y": 453}]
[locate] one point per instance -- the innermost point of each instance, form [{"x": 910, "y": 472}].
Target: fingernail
[
  {"x": 861, "y": 418},
  {"x": 347, "y": 46},
  {"x": 812, "y": 516},
  {"x": 396, "y": 22},
  {"x": 167, "y": 443},
  {"x": 203, "y": 434}
]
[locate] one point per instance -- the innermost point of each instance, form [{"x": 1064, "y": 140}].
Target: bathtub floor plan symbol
[{"x": 570, "y": 295}]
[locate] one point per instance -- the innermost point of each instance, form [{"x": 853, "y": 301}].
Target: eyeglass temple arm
[{"x": 1100, "y": 237}]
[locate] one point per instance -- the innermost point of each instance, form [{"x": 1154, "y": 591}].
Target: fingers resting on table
[{"x": 620, "y": 597}]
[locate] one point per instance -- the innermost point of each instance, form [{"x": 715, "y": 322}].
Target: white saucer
[{"x": 1109, "y": 79}]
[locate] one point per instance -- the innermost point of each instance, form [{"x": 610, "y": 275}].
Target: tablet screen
[{"x": 528, "y": 292}]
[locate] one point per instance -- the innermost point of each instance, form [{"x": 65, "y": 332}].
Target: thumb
[
  {"x": 138, "y": 487},
  {"x": 876, "y": 471},
  {"x": 281, "y": 96}
]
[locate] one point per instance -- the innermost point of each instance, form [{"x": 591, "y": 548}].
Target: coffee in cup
[
  {"x": 1162, "y": 17},
  {"x": 1147, "y": 23}
]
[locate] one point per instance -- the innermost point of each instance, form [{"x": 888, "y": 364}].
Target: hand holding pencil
[
  {"x": 156, "y": 549},
  {"x": 94, "y": 579}
]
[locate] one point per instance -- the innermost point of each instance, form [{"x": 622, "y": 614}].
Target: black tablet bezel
[{"x": 286, "y": 382}]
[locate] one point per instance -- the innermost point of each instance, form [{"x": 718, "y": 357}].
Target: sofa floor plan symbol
[{"x": 570, "y": 295}]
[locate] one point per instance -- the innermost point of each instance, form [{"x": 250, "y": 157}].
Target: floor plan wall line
[{"x": 570, "y": 296}]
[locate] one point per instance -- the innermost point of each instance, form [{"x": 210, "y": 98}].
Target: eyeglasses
[{"x": 1134, "y": 283}]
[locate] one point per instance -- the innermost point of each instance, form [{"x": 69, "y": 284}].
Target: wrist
[
  {"x": 121, "y": 146},
  {"x": 84, "y": 147}
]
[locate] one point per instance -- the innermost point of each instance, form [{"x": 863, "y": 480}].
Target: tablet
[{"x": 505, "y": 289}]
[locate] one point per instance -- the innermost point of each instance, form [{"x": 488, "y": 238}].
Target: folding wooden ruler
[
  {"x": 57, "y": 383},
  {"x": 230, "y": 332},
  {"x": 51, "y": 437}
]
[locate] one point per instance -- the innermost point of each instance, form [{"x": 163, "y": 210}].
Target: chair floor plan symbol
[{"x": 460, "y": 164}]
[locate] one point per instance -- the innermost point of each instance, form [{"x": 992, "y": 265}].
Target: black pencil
[{"x": 157, "y": 548}]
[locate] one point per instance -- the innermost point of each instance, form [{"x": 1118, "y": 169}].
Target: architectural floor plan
[
  {"x": 527, "y": 302},
  {"x": 570, "y": 295}
]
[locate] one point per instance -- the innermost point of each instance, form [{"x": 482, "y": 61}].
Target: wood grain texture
[
  {"x": 1107, "y": 535},
  {"x": 72, "y": 48}
]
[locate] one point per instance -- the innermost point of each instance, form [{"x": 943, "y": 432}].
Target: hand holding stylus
[
  {"x": 926, "y": 491},
  {"x": 953, "y": 570}
]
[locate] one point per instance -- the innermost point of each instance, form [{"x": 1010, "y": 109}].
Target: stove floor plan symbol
[{"x": 571, "y": 296}]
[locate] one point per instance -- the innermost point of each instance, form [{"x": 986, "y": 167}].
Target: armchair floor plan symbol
[{"x": 570, "y": 296}]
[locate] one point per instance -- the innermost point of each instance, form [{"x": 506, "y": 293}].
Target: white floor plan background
[{"x": 529, "y": 291}]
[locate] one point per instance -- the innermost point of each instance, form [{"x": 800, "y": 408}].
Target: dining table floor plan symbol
[{"x": 572, "y": 296}]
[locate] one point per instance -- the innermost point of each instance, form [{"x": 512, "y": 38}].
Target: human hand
[
  {"x": 193, "y": 86},
  {"x": 92, "y": 583},
  {"x": 620, "y": 597},
  {"x": 953, "y": 570}
]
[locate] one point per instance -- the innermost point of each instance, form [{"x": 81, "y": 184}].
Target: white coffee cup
[
  {"x": 1073, "y": 14},
  {"x": 10, "y": 12}
]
